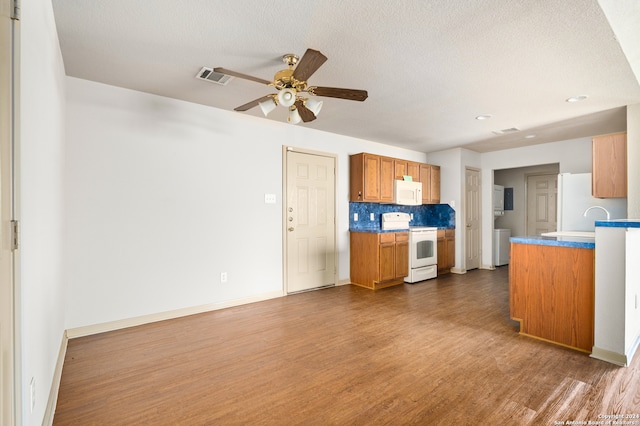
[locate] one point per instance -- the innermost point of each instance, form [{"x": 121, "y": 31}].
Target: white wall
[
  {"x": 41, "y": 287},
  {"x": 573, "y": 156},
  {"x": 452, "y": 164},
  {"x": 633, "y": 161},
  {"x": 164, "y": 195}
]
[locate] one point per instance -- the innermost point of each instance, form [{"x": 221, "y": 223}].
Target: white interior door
[
  {"x": 542, "y": 201},
  {"x": 310, "y": 221},
  {"x": 8, "y": 48},
  {"x": 472, "y": 219}
]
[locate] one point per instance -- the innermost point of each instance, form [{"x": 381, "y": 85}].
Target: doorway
[
  {"x": 310, "y": 255},
  {"x": 472, "y": 218},
  {"x": 542, "y": 201}
]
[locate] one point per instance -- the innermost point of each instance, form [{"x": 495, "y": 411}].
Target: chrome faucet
[{"x": 597, "y": 207}]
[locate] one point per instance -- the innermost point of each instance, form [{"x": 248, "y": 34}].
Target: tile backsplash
[{"x": 439, "y": 215}]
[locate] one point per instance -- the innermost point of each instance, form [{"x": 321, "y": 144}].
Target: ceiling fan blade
[
  {"x": 240, "y": 75},
  {"x": 336, "y": 92},
  {"x": 305, "y": 113},
  {"x": 252, "y": 104},
  {"x": 310, "y": 62}
]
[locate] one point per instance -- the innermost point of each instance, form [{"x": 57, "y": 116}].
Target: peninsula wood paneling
[{"x": 551, "y": 293}]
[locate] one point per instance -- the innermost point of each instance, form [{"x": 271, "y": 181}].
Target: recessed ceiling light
[
  {"x": 483, "y": 117},
  {"x": 577, "y": 98},
  {"x": 530, "y": 136}
]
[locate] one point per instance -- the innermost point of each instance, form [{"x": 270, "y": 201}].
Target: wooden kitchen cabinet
[
  {"x": 446, "y": 250},
  {"x": 406, "y": 168},
  {"x": 371, "y": 178},
  {"x": 609, "y": 172},
  {"x": 364, "y": 177},
  {"x": 379, "y": 260},
  {"x": 430, "y": 178},
  {"x": 387, "y": 167}
]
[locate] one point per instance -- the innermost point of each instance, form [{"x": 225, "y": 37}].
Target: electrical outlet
[
  {"x": 223, "y": 277},
  {"x": 372, "y": 217}
]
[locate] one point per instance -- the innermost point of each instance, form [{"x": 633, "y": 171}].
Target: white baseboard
[
  {"x": 343, "y": 282},
  {"x": 55, "y": 384},
  {"x": 633, "y": 349},
  {"x": 609, "y": 356},
  {"x": 162, "y": 316},
  {"x": 458, "y": 271}
]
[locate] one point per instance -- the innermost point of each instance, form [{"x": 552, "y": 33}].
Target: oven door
[{"x": 424, "y": 248}]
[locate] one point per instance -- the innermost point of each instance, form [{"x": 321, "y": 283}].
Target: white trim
[
  {"x": 55, "y": 384},
  {"x": 162, "y": 316},
  {"x": 609, "y": 356},
  {"x": 343, "y": 282},
  {"x": 458, "y": 271}
]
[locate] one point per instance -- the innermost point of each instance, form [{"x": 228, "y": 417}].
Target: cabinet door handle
[{"x": 290, "y": 228}]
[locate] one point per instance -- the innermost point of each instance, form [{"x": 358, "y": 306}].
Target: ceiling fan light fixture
[
  {"x": 294, "y": 116},
  {"x": 287, "y": 97},
  {"x": 313, "y": 105},
  {"x": 267, "y": 106}
]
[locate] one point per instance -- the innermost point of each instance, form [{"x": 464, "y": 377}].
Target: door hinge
[
  {"x": 14, "y": 235},
  {"x": 15, "y": 10}
]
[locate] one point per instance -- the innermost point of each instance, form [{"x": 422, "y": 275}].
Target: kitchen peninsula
[{"x": 551, "y": 289}]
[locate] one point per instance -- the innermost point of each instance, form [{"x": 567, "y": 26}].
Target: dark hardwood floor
[{"x": 443, "y": 351}]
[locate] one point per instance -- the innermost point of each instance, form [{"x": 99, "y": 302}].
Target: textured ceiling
[{"x": 430, "y": 67}]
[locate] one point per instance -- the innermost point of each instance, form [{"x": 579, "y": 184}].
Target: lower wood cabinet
[
  {"x": 446, "y": 250},
  {"x": 379, "y": 260}
]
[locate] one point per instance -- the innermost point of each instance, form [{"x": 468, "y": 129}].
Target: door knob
[
  {"x": 290, "y": 228},
  {"x": 468, "y": 225}
]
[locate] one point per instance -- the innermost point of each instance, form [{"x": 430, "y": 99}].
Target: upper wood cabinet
[
  {"x": 387, "y": 168},
  {"x": 406, "y": 168},
  {"x": 372, "y": 177},
  {"x": 430, "y": 178},
  {"x": 609, "y": 174},
  {"x": 364, "y": 181}
]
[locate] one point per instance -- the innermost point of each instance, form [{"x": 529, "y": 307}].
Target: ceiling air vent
[
  {"x": 503, "y": 131},
  {"x": 209, "y": 74}
]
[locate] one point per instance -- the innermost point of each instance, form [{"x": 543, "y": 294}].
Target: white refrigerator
[{"x": 574, "y": 197}]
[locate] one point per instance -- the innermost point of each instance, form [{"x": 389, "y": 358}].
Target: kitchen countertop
[
  {"x": 573, "y": 242},
  {"x": 381, "y": 231},
  {"x": 619, "y": 223}
]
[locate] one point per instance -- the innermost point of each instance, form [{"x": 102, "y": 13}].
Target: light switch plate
[
  {"x": 355, "y": 217},
  {"x": 371, "y": 216},
  {"x": 269, "y": 198}
]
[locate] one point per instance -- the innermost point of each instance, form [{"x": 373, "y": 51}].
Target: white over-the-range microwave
[{"x": 407, "y": 193}]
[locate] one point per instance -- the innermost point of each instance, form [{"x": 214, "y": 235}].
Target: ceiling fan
[{"x": 293, "y": 90}]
